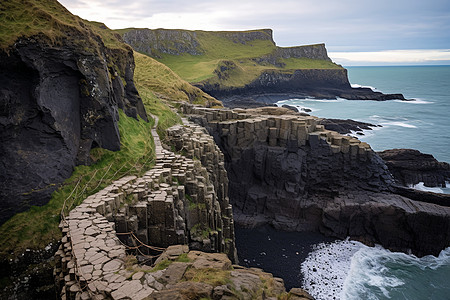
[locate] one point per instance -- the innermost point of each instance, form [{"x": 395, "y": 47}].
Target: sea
[{"x": 349, "y": 270}]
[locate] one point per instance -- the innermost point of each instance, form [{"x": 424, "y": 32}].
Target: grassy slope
[
  {"x": 217, "y": 50},
  {"x": 165, "y": 83},
  {"x": 38, "y": 226}
]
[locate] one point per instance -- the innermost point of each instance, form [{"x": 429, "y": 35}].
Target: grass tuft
[{"x": 214, "y": 277}]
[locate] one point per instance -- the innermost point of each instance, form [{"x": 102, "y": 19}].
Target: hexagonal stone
[
  {"x": 111, "y": 266},
  {"x": 129, "y": 289},
  {"x": 137, "y": 276}
]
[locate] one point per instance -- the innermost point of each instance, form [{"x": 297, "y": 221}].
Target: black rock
[
  {"x": 346, "y": 126},
  {"x": 56, "y": 103},
  {"x": 410, "y": 167}
]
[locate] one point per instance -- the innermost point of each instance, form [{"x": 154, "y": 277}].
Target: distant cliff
[
  {"x": 60, "y": 91},
  {"x": 156, "y": 42},
  {"x": 230, "y": 65}
]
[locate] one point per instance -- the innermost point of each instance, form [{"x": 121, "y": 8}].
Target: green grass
[
  {"x": 53, "y": 23},
  {"x": 196, "y": 68},
  {"x": 163, "y": 83},
  {"x": 214, "y": 277},
  {"x": 307, "y": 63}
]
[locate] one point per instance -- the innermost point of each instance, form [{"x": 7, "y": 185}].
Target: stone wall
[{"x": 176, "y": 202}]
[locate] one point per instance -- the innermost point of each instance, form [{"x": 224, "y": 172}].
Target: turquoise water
[
  {"x": 350, "y": 270},
  {"x": 423, "y": 124}
]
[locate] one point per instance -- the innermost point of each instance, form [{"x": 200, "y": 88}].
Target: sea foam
[
  {"x": 326, "y": 268},
  {"x": 415, "y": 101},
  {"x": 421, "y": 187},
  {"x": 350, "y": 270},
  {"x": 355, "y": 85}
]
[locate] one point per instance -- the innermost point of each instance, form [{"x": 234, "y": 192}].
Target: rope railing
[{"x": 78, "y": 191}]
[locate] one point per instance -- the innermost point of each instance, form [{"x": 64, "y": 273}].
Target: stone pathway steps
[{"x": 91, "y": 258}]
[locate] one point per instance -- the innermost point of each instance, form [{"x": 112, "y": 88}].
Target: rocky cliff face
[
  {"x": 288, "y": 171},
  {"x": 273, "y": 85},
  {"x": 272, "y": 81},
  {"x": 165, "y": 41},
  {"x": 155, "y": 42},
  {"x": 310, "y": 51},
  {"x": 56, "y": 103},
  {"x": 320, "y": 78}
]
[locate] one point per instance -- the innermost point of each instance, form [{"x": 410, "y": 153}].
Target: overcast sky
[{"x": 356, "y": 32}]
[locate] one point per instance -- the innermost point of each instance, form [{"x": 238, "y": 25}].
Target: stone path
[{"x": 176, "y": 202}]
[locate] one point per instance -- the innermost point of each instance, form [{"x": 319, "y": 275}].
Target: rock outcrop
[
  {"x": 273, "y": 86},
  {"x": 347, "y": 126},
  {"x": 56, "y": 103},
  {"x": 310, "y": 51},
  {"x": 287, "y": 170},
  {"x": 409, "y": 167}
]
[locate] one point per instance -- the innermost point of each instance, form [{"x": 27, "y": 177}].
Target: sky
[{"x": 355, "y": 32}]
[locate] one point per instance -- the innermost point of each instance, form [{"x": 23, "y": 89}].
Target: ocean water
[
  {"x": 349, "y": 270},
  {"x": 422, "y": 124}
]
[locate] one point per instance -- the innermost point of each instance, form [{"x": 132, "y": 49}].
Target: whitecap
[
  {"x": 401, "y": 124},
  {"x": 414, "y": 101},
  {"x": 314, "y": 100},
  {"x": 355, "y": 85},
  {"x": 350, "y": 270},
  {"x": 368, "y": 274}
]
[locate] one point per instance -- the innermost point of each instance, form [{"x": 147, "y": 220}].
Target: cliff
[
  {"x": 236, "y": 65},
  {"x": 157, "y": 42},
  {"x": 62, "y": 83},
  {"x": 286, "y": 170}
]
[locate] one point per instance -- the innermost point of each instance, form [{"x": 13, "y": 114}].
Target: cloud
[
  {"x": 392, "y": 57},
  {"x": 346, "y": 25}
]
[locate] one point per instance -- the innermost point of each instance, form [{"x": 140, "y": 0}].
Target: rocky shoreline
[
  {"x": 317, "y": 181},
  {"x": 267, "y": 98}
]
